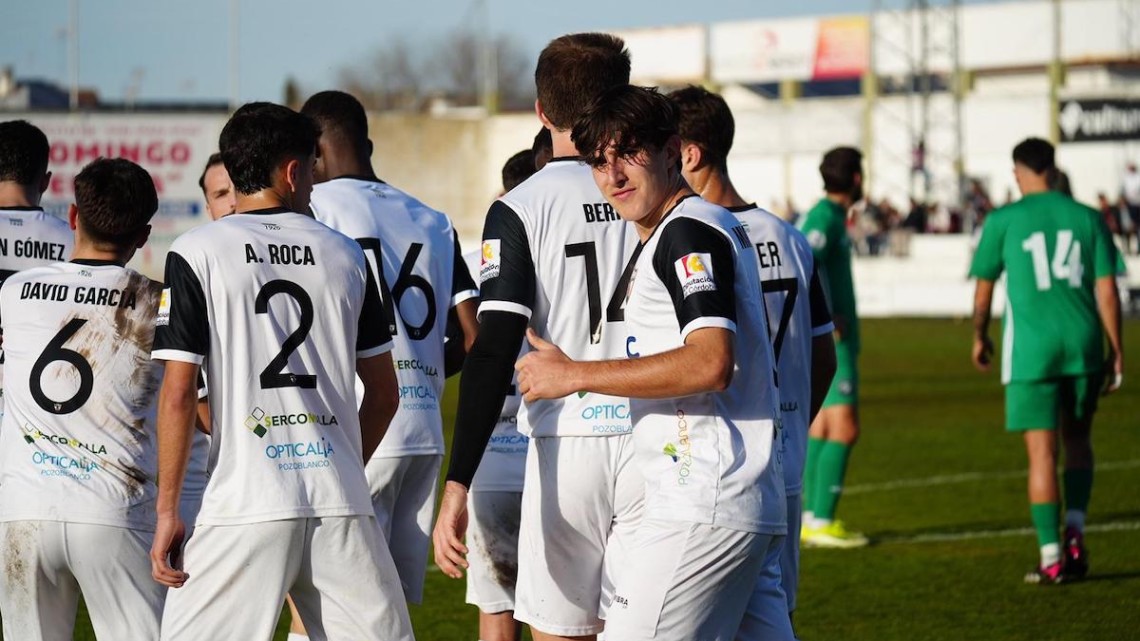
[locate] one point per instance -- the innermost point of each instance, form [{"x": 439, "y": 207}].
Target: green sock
[
  {"x": 1046, "y": 519},
  {"x": 811, "y": 467},
  {"x": 829, "y": 479},
  {"x": 1078, "y": 489}
]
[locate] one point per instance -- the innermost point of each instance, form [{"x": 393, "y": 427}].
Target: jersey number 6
[{"x": 55, "y": 351}]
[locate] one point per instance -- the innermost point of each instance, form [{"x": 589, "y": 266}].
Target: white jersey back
[
  {"x": 78, "y": 438},
  {"x": 418, "y": 253},
  {"x": 555, "y": 251},
  {"x": 707, "y": 458},
  {"x": 504, "y": 461},
  {"x": 29, "y": 237},
  {"x": 279, "y": 306},
  {"x": 797, "y": 312}
]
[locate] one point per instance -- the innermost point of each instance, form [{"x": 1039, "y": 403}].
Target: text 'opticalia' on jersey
[
  {"x": 708, "y": 458},
  {"x": 78, "y": 439},
  {"x": 504, "y": 461},
  {"x": 422, "y": 276},
  {"x": 283, "y": 306},
  {"x": 797, "y": 312},
  {"x": 554, "y": 251},
  {"x": 29, "y": 237}
]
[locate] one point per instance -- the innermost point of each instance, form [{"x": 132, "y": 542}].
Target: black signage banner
[{"x": 1099, "y": 120}]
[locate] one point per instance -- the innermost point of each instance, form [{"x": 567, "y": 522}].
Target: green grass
[{"x": 927, "y": 413}]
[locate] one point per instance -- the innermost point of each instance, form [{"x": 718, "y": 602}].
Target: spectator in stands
[
  {"x": 1130, "y": 194},
  {"x": 978, "y": 204},
  {"x": 916, "y": 219}
]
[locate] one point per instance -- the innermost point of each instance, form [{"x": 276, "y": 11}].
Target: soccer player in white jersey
[
  {"x": 29, "y": 237},
  {"x": 419, "y": 266},
  {"x": 553, "y": 253},
  {"x": 282, "y": 310},
  {"x": 700, "y": 379},
  {"x": 78, "y": 450},
  {"x": 796, "y": 308},
  {"x": 494, "y": 502}
]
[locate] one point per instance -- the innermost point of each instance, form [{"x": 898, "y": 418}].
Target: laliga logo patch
[
  {"x": 694, "y": 271},
  {"x": 163, "y": 318},
  {"x": 490, "y": 261}
]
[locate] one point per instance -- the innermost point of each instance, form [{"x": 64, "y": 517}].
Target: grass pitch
[{"x": 940, "y": 488}]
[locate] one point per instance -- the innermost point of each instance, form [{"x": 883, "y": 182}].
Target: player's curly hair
[
  {"x": 116, "y": 200},
  {"x": 24, "y": 152},
  {"x": 627, "y": 119},
  {"x": 706, "y": 121},
  {"x": 259, "y": 137}
]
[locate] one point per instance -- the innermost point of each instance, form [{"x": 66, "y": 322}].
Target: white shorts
[
  {"x": 403, "y": 497},
  {"x": 337, "y": 569},
  {"x": 493, "y": 549},
  {"x": 47, "y": 564},
  {"x": 790, "y": 552},
  {"x": 687, "y": 581},
  {"x": 767, "y": 616},
  {"x": 582, "y": 501}
]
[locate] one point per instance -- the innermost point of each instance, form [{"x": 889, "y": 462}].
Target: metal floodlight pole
[
  {"x": 73, "y": 53},
  {"x": 235, "y": 15}
]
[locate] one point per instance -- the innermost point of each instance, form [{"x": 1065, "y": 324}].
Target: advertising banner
[
  {"x": 833, "y": 48},
  {"x": 1099, "y": 120}
]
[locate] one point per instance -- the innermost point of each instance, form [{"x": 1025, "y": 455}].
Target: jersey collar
[
  {"x": 367, "y": 179},
  {"x": 565, "y": 159},
  {"x": 668, "y": 214},
  {"x": 739, "y": 208},
  {"x": 22, "y": 208},
  {"x": 95, "y": 262},
  {"x": 267, "y": 211}
]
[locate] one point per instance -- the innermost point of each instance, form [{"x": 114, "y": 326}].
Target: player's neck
[
  {"x": 714, "y": 186},
  {"x": 344, "y": 167},
  {"x": 264, "y": 199},
  {"x": 13, "y": 194},
  {"x": 87, "y": 250},
  {"x": 562, "y": 145},
  {"x": 843, "y": 200},
  {"x": 647, "y": 225}
]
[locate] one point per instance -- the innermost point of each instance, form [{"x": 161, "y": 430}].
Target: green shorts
[
  {"x": 844, "y": 388},
  {"x": 1038, "y": 405}
]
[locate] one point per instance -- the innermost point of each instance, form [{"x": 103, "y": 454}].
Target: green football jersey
[
  {"x": 1052, "y": 249},
  {"x": 826, "y": 229}
]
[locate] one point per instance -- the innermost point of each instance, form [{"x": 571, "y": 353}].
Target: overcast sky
[{"x": 178, "y": 49}]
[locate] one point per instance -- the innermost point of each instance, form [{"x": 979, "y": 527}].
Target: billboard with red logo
[{"x": 833, "y": 48}]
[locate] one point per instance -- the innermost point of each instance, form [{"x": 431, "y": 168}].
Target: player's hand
[
  {"x": 166, "y": 552},
  {"x": 450, "y": 528},
  {"x": 1113, "y": 374},
  {"x": 983, "y": 353},
  {"x": 545, "y": 372}
]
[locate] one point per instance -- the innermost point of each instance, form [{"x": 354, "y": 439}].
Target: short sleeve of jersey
[
  {"x": 697, "y": 266},
  {"x": 821, "y": 323},
  {"x": 815, "y": 228},
  {"x": 506, "y": 269},
  {"x": 1105, "y": 258},
  {"x": 988, "y": 262},
  {"x": 182, "y": 331},
  {"x": 373, "y": 336},
  {"x": 462, "y": 285}
]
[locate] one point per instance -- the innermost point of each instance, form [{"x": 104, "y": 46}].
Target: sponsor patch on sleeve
[
  {"x": 490, "y": 262},
  {"x": 694, "y": 271},
  {"x": 816, "y": 239},
  {"x": 163, "y": 318}
]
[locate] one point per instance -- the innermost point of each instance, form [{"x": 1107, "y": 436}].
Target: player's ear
[
  {"x": 144, "y": 236},
  {"x": 542, "y": 116},
  {"x": 45, "y": 183},
  {"x": 72, "y": 216},
  {"x": 292, "y": 174},
  {"x": 691, "y": 156}
]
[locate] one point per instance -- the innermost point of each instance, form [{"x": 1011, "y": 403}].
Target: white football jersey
[
  {"x": 797, "y": 312},
  {"x": 422, "y": 276},
  {"x": 279, "y": 306},
  {"x": 709, "y": 458},
  {"x": 78, "y": 439},
  {"x": 555, "y": 251},
  {"x": 29, "y": 237},
  {"x": 504, "y": 461}
]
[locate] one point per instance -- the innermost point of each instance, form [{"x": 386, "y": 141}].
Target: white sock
[
  {"x": 1075, "y": 519},
  {"x": 1050, "y": 554},
  {"x": 297, "y": 636}
]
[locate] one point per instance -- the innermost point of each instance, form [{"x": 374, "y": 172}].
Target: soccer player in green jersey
[
  {"x": 836, "y": 428},
  {"x": 1061, "y": 303}
]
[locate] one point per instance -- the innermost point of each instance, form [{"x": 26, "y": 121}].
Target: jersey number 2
[
  {"x": 55, "y": 351},
  {"x": 274, "y": 375}
]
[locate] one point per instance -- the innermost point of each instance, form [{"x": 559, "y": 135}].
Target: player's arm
[
  {"x": 1108, "y": 304},
  {"x": 707, "y": 320},
  {"x": 986, "y": 266},
  {"x": 823, "y": 363},
  {"x": 182, "y": 339},
  {"x": 464, "y": 297},
  {"x": 820, "y": 234},
  {"x": 983, "y": 349},
  {"x": 374, "y": 367},
  {"x": 507, "y": 299}
]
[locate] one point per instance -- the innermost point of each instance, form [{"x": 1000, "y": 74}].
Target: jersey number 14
[{"x": 1066, "y": 265}]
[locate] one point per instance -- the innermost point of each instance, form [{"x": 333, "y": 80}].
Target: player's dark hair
[
  {"x": 214, "y": 159},
  {"x": 574, "y": 70},
  {"x": 116, "y": 200},
  {"x": 518, "y": 168},
  {"x": 24, "y": 152},
  {"x": 839, "y": 168},
  {"x": 340, "y": 112},
  {"x": 543, "y": 142},
  {"x": 705, "y": 120},
  {"x": 259, "y": 137},
  {"x": 1036, "y": 154},
  {"x": 629, "y": 119}
]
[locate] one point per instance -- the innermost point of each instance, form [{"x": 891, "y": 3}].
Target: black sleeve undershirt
[{"x": 484, "y": 386}]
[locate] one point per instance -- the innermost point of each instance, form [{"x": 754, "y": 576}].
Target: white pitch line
[
  {"x": 967, "y": 477},
  {"x": 951, "y": 537}
]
